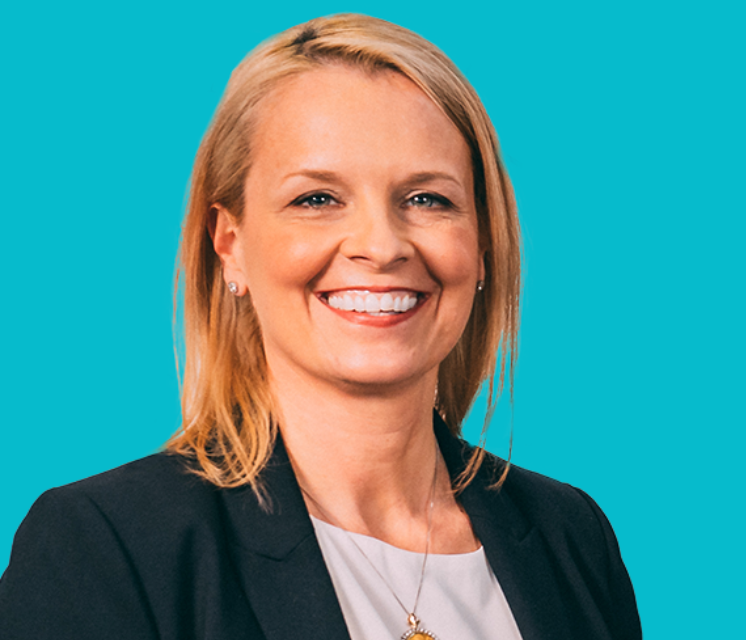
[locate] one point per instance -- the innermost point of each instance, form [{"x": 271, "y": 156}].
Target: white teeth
[{"x": 373, "y": 303}]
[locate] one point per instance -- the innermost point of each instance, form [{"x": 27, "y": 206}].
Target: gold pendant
[{"x": 416, "y": 632}]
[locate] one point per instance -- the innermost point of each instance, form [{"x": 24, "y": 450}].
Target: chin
[{"x": 377, "y": 376}]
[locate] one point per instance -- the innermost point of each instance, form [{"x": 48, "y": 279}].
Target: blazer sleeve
[
  {"x": 623, "y": 618},
  {"x": 70, "y": 577}
]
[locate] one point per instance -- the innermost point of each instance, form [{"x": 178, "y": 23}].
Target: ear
[
  {"x": 224, "y": 231},
  {"x": 482, "y": 268}
]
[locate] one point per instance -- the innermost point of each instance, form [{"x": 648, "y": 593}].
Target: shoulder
[
  {"x": 105, "y": 556},
  {"x": 162, "y": 477},
  {"x": 131, "y": 516},
  {"x": 569, "y": 523},
  {"x": 158, "y": 471},
  {"x": 526, "y": 499},
  {"x": 572, "y": 531},
  {"x": 569, "y": 519},
  {"x": 158, "y": 488},
  {"x": 547, "y": 501},
  {"x": 543, "y": 501}
]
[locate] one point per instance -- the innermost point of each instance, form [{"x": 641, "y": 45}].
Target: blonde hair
[{"x": 227, "y": 411}]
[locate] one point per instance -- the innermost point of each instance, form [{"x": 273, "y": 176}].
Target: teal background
[{"x": 622, "y": 128}]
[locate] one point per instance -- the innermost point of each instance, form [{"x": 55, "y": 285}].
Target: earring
[
  {"x": 233, "y": 288},
  {"x": 480, "y": 285}
]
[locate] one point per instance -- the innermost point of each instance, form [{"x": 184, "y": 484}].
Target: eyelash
[
  {"x": 436, "y": 202},
  {"x": 305, "y": 200}
]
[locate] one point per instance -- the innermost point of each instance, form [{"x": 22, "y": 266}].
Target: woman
[{"x": 351, "y": 261}]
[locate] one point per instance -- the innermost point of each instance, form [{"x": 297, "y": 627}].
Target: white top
[{"x": 461, "y": 598}]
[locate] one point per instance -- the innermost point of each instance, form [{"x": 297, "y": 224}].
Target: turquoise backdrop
[{"x": 622, "y": 125}]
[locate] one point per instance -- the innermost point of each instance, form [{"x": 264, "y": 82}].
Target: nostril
[{"x": 377, "y": 240}]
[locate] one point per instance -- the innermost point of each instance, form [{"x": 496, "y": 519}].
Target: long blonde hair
[{"x": 227, "y": 411}]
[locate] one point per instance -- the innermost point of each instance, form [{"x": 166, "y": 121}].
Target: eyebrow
[
  {"x": 323, "y": 176},
  {"x": 430, "y": 176},
  {"x": 331, "y": 176}
]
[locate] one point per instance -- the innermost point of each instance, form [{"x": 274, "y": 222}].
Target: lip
[
  {"x": 366, "y": 319},
  {"x": 368, "y": 289}
]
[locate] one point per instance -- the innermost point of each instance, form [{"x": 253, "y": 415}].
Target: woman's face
[{"x": 358, "y": 242}]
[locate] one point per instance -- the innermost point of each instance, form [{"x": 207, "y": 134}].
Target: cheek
[
  {"x": 454, "y": 257},
  {"x": 285, "y": 262}
]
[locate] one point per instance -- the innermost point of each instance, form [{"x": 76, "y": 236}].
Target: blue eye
[
  {"x": 428, "y": 200},
  {"x": 315, "y": 200}
]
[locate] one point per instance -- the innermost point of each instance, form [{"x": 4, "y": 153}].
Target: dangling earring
[
  {"x": 480, "y": 285},
  {"x": 233, "y": 288}
]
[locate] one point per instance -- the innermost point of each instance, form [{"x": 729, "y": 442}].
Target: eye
[
  {"x": 315, "y": 200},
  {"x": 429, "y": 201}
]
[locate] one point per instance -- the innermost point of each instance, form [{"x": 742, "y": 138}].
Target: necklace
[{"x": 415, "y": 631}]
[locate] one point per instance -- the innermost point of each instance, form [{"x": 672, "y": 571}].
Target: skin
[{"x": 359, "y": 183}]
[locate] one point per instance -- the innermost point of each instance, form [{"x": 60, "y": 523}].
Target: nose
[{"x": 378, "y": 236}]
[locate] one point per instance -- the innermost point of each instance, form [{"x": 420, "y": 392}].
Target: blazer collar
[
  {"x": 278, "y": 559},
  {"x": 286, "y": 581}
]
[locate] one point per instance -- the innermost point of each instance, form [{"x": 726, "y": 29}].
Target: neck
[{"x": 366, "y": 458}]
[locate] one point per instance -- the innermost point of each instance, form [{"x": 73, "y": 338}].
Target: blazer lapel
[
  {"x": 279, "y": 561},
  {"x": 515, "y": 549},
  {"x": 288, "y": 586}
]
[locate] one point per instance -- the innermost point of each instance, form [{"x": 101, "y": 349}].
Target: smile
[{"x": 373, "y": 304}]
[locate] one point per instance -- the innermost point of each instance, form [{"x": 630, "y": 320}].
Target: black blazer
[{"x": 150, "y": 551}]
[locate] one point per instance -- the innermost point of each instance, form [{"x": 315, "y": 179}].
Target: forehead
[{"x": 336, "y": 113}]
